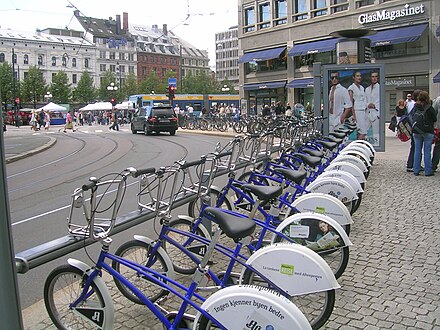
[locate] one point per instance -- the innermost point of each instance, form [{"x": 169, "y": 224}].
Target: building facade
[
  {"x": 51, "y": 50},
  {"x": 226, "y": 56},
  {"x": 280, "y": 40}
]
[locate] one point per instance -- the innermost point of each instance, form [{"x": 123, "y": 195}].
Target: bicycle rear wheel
[
  {"x": 317, "y": 307},
  {"x": 194, "y": 207},
  {"x": 62, "y": 287},
  {"x": 139, "y": 252}
]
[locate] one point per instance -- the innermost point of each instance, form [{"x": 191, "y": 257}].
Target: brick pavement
[{"x": 393, "y": 278}]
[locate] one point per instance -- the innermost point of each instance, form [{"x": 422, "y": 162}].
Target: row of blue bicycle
[{"x": 263, "y": 252}]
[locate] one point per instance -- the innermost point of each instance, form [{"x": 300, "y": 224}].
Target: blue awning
[
  {"x": 436, "y": 78},
  {"x": 266, "y": 85},
  {"x": 397, "y": 36},
  {"x": 301, "y": 83},
  {"x": 262, "y": 55},
  {"x": 314, "y": 47}
]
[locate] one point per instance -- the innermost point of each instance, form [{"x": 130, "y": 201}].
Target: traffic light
[
  {"x": 170, "y": 92},
  {"x": 113, "y": 101}
]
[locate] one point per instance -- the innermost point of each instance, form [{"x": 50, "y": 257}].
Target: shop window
[
  {"x": 275, "y": 64},
  {"x": 403, "y": 49},
  {"x": 308, "y": 60},
  {"x": 363, "y": 3}
]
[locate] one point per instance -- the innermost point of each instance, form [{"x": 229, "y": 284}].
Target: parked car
[{"x": 159, "y": 118}]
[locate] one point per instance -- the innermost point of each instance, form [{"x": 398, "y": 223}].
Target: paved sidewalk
[{"x": 393, "y": 277}]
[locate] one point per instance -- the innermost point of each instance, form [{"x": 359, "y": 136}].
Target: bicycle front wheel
[
  {"x": 139, "y": 252},
  {"x": 316, "y": 307},
  {"x": 182, "y": 263},
  {"x": 62, "y": 287}
]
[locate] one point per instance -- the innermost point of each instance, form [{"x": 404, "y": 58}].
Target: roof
[
  {"x": 103, "y": 28},
  {"x": 43, "y": 37}
]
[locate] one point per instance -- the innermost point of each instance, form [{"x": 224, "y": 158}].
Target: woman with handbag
[
  {"x": 400, "y": 110},
  {"x": 69, "y": 122}
]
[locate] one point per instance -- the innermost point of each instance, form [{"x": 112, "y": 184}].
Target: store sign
[
  {"x": 399, "y": 82},
  {"x": 391, "y": 15}
]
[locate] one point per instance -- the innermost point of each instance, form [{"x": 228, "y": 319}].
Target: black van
[{"x": 159, "y": 118}]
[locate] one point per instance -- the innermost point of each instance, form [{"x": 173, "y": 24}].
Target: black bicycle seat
[
  {"x": 233, "y": 226},
  {"x": 264, "y": 193},
  {"x": 296, "y": 176},
  {"x": 327, "y": 144},
  {"x": 308, "y": 159},
  {"x": 338, "y": 135},
  {"x": 313, "y": 152}
]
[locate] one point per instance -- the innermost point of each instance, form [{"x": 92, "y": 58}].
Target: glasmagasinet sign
[{"x": 391, "y": 15}]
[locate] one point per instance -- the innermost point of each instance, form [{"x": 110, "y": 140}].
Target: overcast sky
[{"x": 207, "y": 17}]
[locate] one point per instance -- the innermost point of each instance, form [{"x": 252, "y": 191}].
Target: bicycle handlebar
[{"x": 137, "y": 173}]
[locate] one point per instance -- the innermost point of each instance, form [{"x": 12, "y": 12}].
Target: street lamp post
[
  {"x": 48, "y": 96},
  {"x": 112, "y": 87},
  {"x": 225, "y": 89}
]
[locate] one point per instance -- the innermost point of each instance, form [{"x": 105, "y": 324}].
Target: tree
[
  {"x": 130, "y": 86},
  {"x": 85, "y": 90},
  {"x": 200, "y": 84},
  {"x": 103, "y": 93},
  {"x": 34, "y": 86},
  {"x": 60, "y": 88},
  {"x": 6, "y": 83},
  {"x": 152, "y": 83}
]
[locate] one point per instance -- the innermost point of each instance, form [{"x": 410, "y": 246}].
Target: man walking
[
  {"x": 410, "y": 102},
  {"x": 436, "y": 151}
]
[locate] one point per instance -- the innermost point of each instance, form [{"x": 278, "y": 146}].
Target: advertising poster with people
[{"x": 356, "y": 95}]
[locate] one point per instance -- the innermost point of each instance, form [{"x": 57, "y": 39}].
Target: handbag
[{"x": 393, "y": 123}]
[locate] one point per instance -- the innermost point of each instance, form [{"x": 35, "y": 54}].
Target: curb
[
  {"x": 213, "y": 133},
  {"x": 49, "y": 144}
]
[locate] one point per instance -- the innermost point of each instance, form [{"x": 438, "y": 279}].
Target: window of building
[
  {"x": 2, "y": 57},
  {"x": 101, "y": 54},
  {"x": 112, "y": 55},
  {"x": 264, "y": 15},
  {"x": 300, "y": 10},
  {"x": 54, "y": 61},
  {"x": 131, "y": 69},
  {"x": 40, "y": 60},
  {"x": 74, "y": 78},
  {"x": 26, "y": 59},
  {"x": 249, "y": 19},
  {"x": 74, "y": 62},
  {"x": 102, "y": 67},
  {"x": 339, "y": 5},
  {"x": 64, "y": 61},
  {"x": 86, "y": 62},
  {"x": 112, "y": 68},
  {"x": 53, "y": 75},
  {"x": 25, "y": 74},
  {"x": 164, "y": 72},
  {"x": 122, "y": 68},
  {"x": 319, "y": 8},
  {"x": 363, "y": 3},
  {"x": 308, "y": 60},
  {"x": 280, "y": 12},
  {"x": 121, "y": 56},
  {"x": 274, "y": 64},
  {"x": 144, "y": 71}
]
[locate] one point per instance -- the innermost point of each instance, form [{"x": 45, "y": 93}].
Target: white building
[{"x": 226, "y": 55}]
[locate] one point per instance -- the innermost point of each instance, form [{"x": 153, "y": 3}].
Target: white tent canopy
[
  {"x": 97, "y": 106},
  {"x": 52, "y": 107},
  {"x": 123, "y": 106}
]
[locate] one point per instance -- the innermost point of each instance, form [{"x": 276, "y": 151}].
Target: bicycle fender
[
  {"x": 366, "y": 143},
  {"x": 326, "y": 204},
  {"x": 347, "y": 167},
  {"x": 357, "y": 154},
  {"x": 253, "y": 307},
  {"x": 100, "y": 284},
  {"x": 294, "y": 268},
  {"x": 361, "y": 148},
  {"x": 201, "y": 227},
  {"x": 295, "y": 228},
  {"x": 161, "y": 251},
  {"x": 352, "y": 159},
  {"x": 344, "y": 175},
  {"x": 335, "y": 187}
]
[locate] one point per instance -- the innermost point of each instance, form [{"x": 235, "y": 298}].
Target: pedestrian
[
  {"x": 339, "y": 102},
  {"x": 33, "y": 121},
  {"x": 41, "y": 118},
  {"x": 436, "y": 151},
  {"x": 409, "y": 103},
  {"x": 266, "y": 111},
  {"x": 423, "y": 132},
  {"x": 69, "y": 122},
  {"x": 400, "y": 110},
  {"x": 47, "y": 120},
  {"x": 288, "y": 110}
]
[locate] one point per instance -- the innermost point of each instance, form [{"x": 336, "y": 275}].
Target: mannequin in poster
[
  {"x": 339, "y": 102},
  {"x": 372, "y": 94}
]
